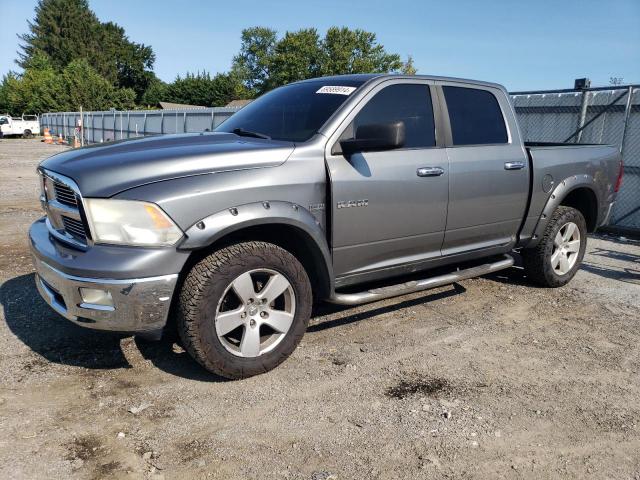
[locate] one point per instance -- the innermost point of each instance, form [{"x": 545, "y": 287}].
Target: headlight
[{"x": 129, "y": 222}]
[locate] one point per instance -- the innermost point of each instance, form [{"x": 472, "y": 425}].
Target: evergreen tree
[
  {"x": 155, "y": 93},
  {"x": 204, "y": 90},
  {"x": 84, "y": 87},
  {"x": 67, "y": 30}
]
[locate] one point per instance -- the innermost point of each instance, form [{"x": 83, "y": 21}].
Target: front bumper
[{"x": 139, "y": 305}]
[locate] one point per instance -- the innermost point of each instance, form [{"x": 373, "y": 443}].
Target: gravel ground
[{"x": 489, "y": 378}]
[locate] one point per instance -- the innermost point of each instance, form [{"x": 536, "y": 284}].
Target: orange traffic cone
[
  {"x": 47, "y": 136},
  {"x": 61, "y": 140}
]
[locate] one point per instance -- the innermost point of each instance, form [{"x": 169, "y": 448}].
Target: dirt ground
[{"x": 489, "y": 378}]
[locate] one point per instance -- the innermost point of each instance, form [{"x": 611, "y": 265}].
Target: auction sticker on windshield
[{"x": 336, "y": 90}]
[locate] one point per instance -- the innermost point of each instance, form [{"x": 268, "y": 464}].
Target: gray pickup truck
[{"x": 311, "y": 192}]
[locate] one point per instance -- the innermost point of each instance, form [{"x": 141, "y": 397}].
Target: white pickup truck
[{"x": 27, "y": 125}]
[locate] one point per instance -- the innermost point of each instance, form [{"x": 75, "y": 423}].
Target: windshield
[{"x": 292, "y": 113}]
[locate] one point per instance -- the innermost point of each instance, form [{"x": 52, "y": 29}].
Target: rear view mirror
[{"x": 375, "y": 137}]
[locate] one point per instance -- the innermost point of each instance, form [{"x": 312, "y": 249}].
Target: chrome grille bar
[
  {"x": 75, "y": 228},
  {"x": 64, "y": 194},
  {"x": 62, "y": 203}
]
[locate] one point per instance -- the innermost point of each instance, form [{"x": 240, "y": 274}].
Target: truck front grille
[
  {"x": 64, "y": 194},
  {"x": 62, "y": 203},
  {"x": 75, "y": 228}
]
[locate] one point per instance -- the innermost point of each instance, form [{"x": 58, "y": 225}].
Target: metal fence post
[
  {"x": 627, "y": 114},
  {"x": 584, "y": 104}
]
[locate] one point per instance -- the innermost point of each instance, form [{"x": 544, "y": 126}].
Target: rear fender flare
[{"x": 556, "y": 198}]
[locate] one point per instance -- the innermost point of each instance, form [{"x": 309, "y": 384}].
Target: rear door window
[{"x": 475, "y": 116}]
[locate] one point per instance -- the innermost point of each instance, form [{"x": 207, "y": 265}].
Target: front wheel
[
  {"x": 558, "y": 255},
  {"x": 244, "y": 309}
]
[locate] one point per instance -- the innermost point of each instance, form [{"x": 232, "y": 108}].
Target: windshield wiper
[{"x": 248, "y": 133}]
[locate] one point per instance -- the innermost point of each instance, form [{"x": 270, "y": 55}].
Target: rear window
[{"x": 475, "y": 116}]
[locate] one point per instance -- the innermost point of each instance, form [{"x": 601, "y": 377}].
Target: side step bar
[{"x": 419, "y": 285}]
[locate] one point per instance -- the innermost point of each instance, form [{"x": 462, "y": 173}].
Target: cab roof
[{"x": 363, "y": 78}]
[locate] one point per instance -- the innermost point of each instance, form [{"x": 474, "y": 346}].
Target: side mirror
[{"x": 375, "y": 137}]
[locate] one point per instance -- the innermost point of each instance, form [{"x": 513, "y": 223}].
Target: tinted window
[
  {"x": 294, "y": 112},
  {"x": 475, "y": 116},
  {"x": 410, "y": 104}
]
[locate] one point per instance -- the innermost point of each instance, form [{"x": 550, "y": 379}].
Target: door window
[
  {"x": 409, "y": 103},
  {"x": 475, "y": 116}
]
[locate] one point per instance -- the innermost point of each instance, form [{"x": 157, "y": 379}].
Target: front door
[{"x": 389, "y": 208}]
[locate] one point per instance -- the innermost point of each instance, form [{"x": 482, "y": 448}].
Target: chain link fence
[{"x": 598, "y": 115}]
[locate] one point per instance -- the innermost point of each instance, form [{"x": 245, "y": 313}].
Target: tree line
[{"x": 69, "y": 58}]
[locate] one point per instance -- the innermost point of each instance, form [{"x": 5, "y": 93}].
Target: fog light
[{"x": 95, "y": 296}]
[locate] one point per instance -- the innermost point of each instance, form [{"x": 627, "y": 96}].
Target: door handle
[
  {"x": 430, "y": 171},
  {"x": 513, "y": 165}
]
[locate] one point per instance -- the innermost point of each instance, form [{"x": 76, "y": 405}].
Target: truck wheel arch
[
  {"x": 583, "y": 199},
  {"x": 285, "y": 224},
  {"x": 578, "y": 192}
]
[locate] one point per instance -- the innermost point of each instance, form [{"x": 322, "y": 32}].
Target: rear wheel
[
  {"x": 244, "y": 309},
  {"x": 27, "y": 134},
  {"x": 558, "y": 255}
]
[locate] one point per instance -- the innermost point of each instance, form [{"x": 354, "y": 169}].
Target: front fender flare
[{"x": 210, "y": 229}]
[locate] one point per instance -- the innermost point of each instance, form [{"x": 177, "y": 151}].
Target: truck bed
[{"x": 552, "y": 163}]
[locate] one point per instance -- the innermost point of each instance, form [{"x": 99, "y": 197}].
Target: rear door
[
  {"x": 489, "y": 172},
  {"x": 389, "y": 207}
]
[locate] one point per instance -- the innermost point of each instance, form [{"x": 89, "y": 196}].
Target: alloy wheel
[
  {"x": 566, "y": 247},
  {"x": 255, "y": 312}
]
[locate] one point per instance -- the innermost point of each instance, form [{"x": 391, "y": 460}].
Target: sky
[{"x": 524, "y": 45}]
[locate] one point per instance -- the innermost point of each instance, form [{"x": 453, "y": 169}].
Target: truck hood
[{"x": 103, "y": 170}]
